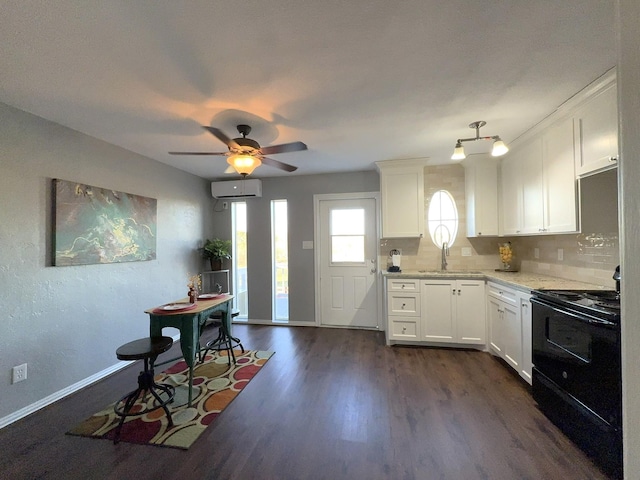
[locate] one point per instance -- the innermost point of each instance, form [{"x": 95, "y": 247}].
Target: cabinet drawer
[
  {"x": 403, "y": 285},
  {"x": 403, "y": 329},
  {"x": 404, "y": 304},
  {"x": 503, "y": 293}
]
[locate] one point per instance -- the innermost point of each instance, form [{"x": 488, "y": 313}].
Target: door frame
[{"x": 317, "y": 198}]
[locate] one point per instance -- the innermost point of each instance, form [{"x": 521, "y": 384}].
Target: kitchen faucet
[{"x": 445, "y": 252}]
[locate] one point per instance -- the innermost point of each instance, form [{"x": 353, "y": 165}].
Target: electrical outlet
[
  {"x": 560, "y": 254},
  {"x": 466, "y": 251},
  {"x": 19, "y": 373},
  {"x": 536, "y": 252}
]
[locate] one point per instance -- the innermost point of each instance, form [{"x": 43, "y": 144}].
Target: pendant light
[{"x": 499, "y": 147}]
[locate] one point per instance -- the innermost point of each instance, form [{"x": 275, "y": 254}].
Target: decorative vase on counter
[{"x": 506, "y": 256}]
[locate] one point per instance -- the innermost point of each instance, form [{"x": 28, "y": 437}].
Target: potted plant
[{"x": 216, "y": 250}]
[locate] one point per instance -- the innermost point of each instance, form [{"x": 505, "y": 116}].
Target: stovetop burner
[{"x": 603, "y": 304}]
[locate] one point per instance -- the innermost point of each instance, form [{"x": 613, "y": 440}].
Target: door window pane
[{"x": 347, "y": 235}]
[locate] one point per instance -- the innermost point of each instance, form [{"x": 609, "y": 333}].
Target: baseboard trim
[
  {"x": 254, "y": 321},
  {"x": 54, "y": 397},
  {"x": 60, "y": 394}
]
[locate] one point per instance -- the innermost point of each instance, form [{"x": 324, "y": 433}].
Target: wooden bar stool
[{"x": 146, "y": 349}]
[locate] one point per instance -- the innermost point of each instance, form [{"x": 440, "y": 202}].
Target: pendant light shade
[
  {"x": 499, "y": 147},
  {"x": 458, "y": 152},
  {"x": 244, "y": 164}
]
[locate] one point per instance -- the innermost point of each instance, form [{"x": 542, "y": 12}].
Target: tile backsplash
[{"x": 588, "y": 257}]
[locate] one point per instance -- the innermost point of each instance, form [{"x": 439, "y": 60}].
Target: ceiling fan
[{"x": 245, "y": 154}]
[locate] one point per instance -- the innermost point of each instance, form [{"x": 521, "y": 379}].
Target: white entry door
[{"x": 346, "y": 257}]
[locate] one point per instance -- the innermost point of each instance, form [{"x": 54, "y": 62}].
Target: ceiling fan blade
[
  {"x": 275, "y": 163},
  {"x": 219, "y": 134},
  {"x": 198, "y": 153},
  {"x": 284, "y": 148},
  {"x": 230, "y": 169}
]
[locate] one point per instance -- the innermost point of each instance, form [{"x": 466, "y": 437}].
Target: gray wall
[
  {"x": 66, "y": 322},
  {"x": 629, "y": 177},
  {"x": 298, "y": 191}
]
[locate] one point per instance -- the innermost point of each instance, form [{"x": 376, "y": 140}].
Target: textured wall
[{"x": 66, "y": 322}]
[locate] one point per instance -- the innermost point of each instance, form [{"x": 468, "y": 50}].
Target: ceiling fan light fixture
[
  {"x": 244, "y": 164},
  {"x": 499, "y": 148},
  {"x": 458, "y": 152}
]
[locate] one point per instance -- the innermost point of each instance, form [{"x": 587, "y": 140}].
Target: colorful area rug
[{"x": 215, "y": 386}]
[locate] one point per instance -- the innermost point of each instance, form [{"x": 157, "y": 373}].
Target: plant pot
[{"x": 216, "y": 264}]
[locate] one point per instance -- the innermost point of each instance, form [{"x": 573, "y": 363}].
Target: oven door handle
[{"x": 583, "y": 317}]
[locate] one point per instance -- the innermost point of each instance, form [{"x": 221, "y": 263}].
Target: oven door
[{"x": 581, "y": 357}]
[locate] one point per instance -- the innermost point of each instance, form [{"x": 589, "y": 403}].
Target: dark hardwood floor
[{"x": 330, "y": 404}]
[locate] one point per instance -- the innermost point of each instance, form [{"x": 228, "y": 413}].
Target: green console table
[{"x": 189, "y": 323}]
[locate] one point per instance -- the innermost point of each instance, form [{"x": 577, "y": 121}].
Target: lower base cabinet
[
  {"x": 509, "y": 313},
  {"x": 526, "y": 366},
  {"x": 453, "y": 311},
  {"x": 436, "y": 311}
]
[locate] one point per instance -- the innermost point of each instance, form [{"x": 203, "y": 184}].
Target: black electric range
[
  {"x": 577, "y": 374},
  {"x": 601, "y": 306}
]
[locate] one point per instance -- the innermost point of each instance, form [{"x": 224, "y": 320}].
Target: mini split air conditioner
[{"x": 237, "y": 188}]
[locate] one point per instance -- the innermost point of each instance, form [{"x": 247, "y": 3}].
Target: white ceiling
[{"x": 356, "y": 80}]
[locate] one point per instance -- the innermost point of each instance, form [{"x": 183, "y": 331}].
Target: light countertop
[{"x": 525, "y": 281}]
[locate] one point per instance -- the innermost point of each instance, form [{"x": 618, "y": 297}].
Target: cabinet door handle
[
  {"x": 453, "y": 292},
  {"x": 402, "y": 286},
  {"x": 613, "y": 159},
  {"x": 459, "y": 292},
  {"x": 403, "y": 306}
]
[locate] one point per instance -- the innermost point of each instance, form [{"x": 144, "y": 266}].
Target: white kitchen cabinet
[
  {"x": 403, "y": 309},
  {"x": 481, "y": 192},
  {"x": 496, "y": 325},
  {"x": 453, "y": 311},
  {"x": 402, "y": 198},
  {"x": 596, "y": 130},
  {"x": 559, "y": 178},
  {"x": 526, "y": 366},
  {"x": 505, "y": 329},
  {"x": 531, "y": 173},
  {"x": 471, "y": 325},
  {"x": 538, "y": 183},
  {"x": 438, "y": 300},
  {"x": 511, "y": 196},
  {"x": 521, "y": 181}
]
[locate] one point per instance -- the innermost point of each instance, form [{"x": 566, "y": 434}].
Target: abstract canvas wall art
[{"x": 98, "y": 225}]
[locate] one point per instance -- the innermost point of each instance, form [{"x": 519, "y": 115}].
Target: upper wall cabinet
[
  {"x": 539, "y": 185},
  {"x": 402, "y": 198},
  {"x": 481, "y": 192},
  {"x": 538, "y": 176},
  {"x": 596, "y": 129}
]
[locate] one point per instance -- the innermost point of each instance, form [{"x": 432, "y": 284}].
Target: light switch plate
[
  {"x": 466, "y": 251},
  {"x": 307, "y": 244},
  {"x": 560, "y": 254}
]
